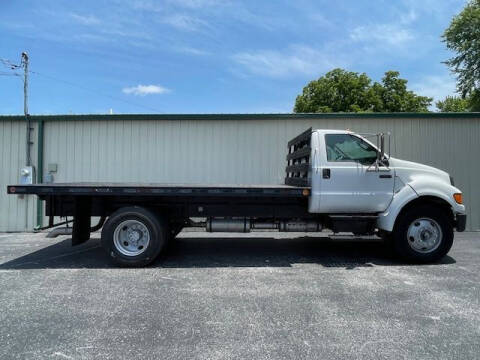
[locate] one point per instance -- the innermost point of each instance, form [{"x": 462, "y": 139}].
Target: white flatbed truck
[{"x": 335, "y": 179}]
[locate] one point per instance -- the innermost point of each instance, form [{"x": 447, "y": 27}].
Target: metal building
[{"x": 214, "y": 149}]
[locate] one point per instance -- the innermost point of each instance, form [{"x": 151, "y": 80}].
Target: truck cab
[{"x": 351, "y": 176}]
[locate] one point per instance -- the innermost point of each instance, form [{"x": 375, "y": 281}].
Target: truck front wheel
[
  {"x": 423, "y": 234},
  {"x": 134, "y": 236}
]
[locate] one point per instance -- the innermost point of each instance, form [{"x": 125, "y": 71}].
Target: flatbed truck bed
[
  {"x": 177, "y": 202},
  {"x": 155, "y": 189}
]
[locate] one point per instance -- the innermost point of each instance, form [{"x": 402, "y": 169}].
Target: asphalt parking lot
[{"x": 259, "y": 296}]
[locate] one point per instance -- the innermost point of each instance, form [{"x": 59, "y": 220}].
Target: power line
[
  {"x": 13, "y": 66},
  {"x": 94, "y": 91},
  {"x": 9, "y": 74},
  {"x": 9, "y": 64}
]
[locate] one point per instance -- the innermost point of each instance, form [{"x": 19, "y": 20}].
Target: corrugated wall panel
[
  {"x": 16, "y": 213},
  {"x": 223, "y": 151}
]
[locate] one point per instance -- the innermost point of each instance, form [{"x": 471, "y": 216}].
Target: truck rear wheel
[
  {"x": 423, "y": 234},
  {"x": 134, "y": 236}
]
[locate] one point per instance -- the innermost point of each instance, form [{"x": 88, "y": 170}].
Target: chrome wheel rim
[
  {"x": 131, "y": 237},
  {"x": 424, "y": 235}
]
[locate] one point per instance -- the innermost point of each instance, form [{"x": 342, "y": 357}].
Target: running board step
[
  {"x": 357, "y": 224},
  {"x": 365, "y": 217}
]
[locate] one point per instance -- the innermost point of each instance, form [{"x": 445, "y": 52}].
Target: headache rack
[{"x": 298, "y": 160}]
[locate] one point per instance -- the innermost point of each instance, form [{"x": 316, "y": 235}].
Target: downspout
[{"x": 40, "y": 135}]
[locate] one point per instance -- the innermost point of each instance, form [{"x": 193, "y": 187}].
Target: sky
[{"x": 212, "y": 56}]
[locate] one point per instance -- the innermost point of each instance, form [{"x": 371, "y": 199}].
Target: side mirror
[
  {"x": 382, "y": 146},
  {"x": 381, "y": 153}
]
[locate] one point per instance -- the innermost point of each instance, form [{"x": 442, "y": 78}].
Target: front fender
[
  {"x": 432, "y": 186},
  {"x": 427, "y": 186},
  {"x": 386, "y": 220}
]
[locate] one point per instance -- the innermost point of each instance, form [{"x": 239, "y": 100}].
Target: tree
[
  {"x": 463, "y": 37},
  {"x": 396, "y": 98},
  {"x": 453, "y": 104},
  {"x": 345, "y": 91},
  {"x": 338, "y": 91}
]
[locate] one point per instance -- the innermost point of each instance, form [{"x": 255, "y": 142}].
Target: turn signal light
[{"x": 458, "y": 198}]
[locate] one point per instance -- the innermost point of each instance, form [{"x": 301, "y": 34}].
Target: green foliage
[
  {"x": 338, "y": 90},
  {"x": 396, "y": 98},
  {"x": 453, "y": 104},
  {"x": 474, "y": 100},
  {"x": 345, "y": 91},
  {"x": 463, "y": 37}
]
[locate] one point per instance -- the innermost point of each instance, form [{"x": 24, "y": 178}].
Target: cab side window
[{"x": 346, "y": 147}]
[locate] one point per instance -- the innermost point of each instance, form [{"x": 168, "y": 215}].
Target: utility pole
[
  {"x": 25, "y": 82},
  {"x": 25, "y": 106}
]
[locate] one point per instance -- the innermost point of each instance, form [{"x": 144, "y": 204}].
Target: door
[{"x": 349, "y": 183}]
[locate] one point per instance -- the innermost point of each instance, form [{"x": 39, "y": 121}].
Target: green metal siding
[{"x": 16, "y": 213}]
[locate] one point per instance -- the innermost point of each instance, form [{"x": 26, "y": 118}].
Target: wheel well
[{"x": 428, "y": 200}]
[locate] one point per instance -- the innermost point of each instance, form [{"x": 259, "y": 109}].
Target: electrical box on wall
[
  {"x": 27, "y": 175},
  {"x": 52, "y": 168}
]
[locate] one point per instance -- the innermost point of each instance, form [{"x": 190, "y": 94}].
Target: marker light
[{"x": 458, "y": 198}]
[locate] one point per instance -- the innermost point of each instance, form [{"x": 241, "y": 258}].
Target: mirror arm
[{"x": 380, "y": 153}]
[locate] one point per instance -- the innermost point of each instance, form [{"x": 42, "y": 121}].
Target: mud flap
[{"x": 81, "y": 221}]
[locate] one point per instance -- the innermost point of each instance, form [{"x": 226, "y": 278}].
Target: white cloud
[
  {"x": 142, "y": 90},
  {"x": 434, "y": 8},
  {"x": 195, "y": 4},
  {"x": 297, "y": 59},
  {"x": 85, "y": 19},
  {"x": 156, "y": 6},
  {"x": 184, "y": 22},
  {"x": 390, "y": 34},
  {"x": 191, "y": 51},
  {"x": 409, "y": 17},
  {"x": 146, "y": 5},
  {"x": 436, "y": 86},
  {"x": 320, "y": 20}
]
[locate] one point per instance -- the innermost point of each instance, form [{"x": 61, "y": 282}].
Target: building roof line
[{"x": 281, "y": 116}]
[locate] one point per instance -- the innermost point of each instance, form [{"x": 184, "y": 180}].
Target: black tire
[
  {"x": 157, "y": 231},
  {"x": 401, "y": 243}
]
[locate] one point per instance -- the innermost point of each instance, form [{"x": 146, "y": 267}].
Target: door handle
[
  {"x": 326, "y": 173},
  {"x": 385, "y": 176}
]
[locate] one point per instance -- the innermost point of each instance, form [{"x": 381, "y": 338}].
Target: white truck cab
[{"x": 351, "y": 175}]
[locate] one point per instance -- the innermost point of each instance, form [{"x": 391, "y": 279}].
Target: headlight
[{"x": 451, "y": 181}]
